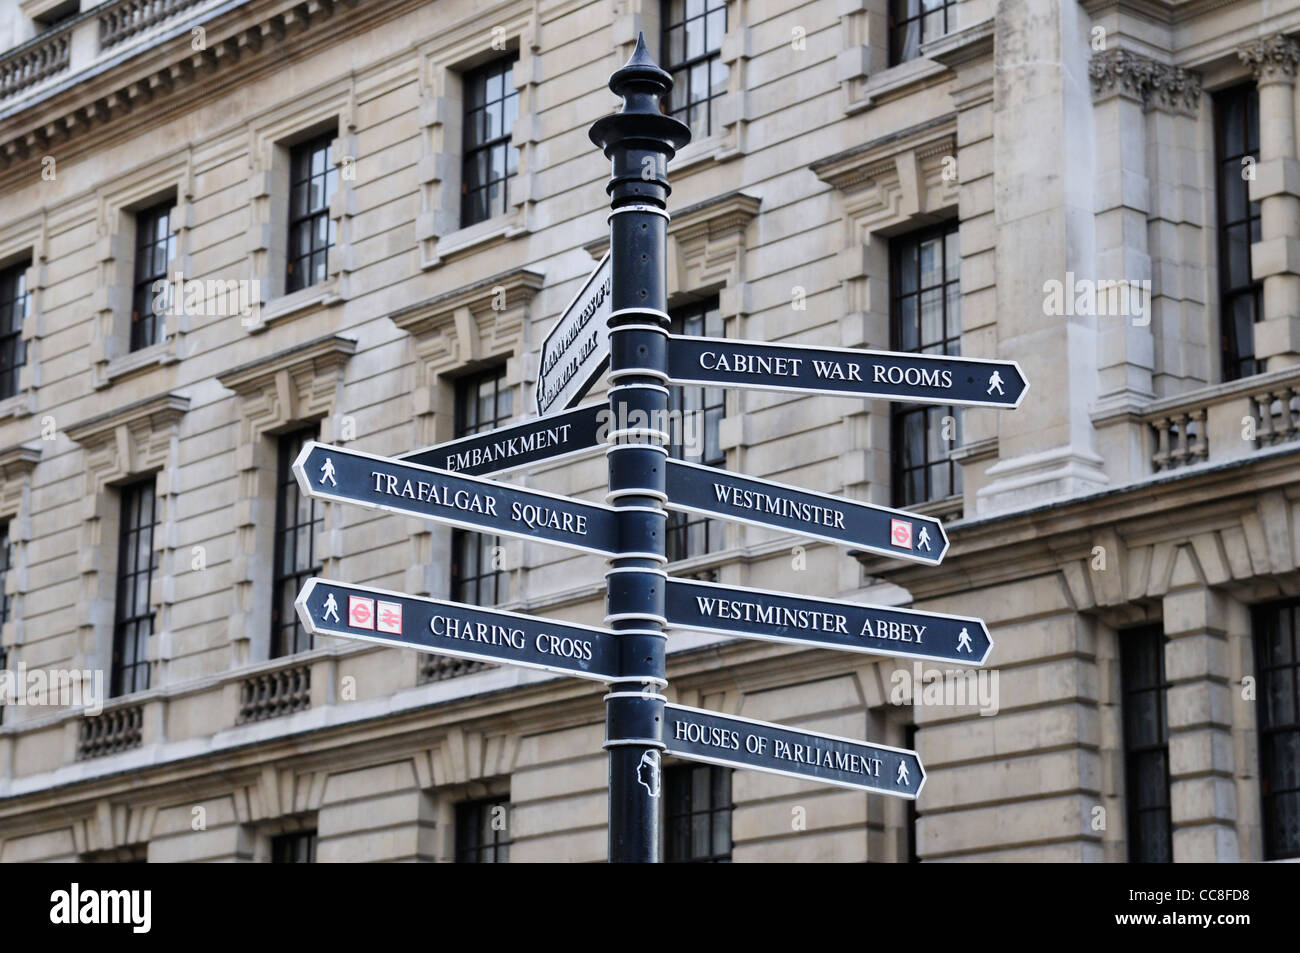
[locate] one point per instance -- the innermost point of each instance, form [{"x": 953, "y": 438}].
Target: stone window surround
[
  {"x": 884, "y": 188},
  {"x": 735, "y": 108},
  {"x": 117, "y": 204},
  {"x": 16, "y": 466},
  {"x": 271, "y": 137},
  {"x": 451, "y": 334},
  {"x": 19, "y": 242},
  {"x": 443, "y": 61},
  {"x": 119, "y": 447},
  {"x": 289, "y": 389}
]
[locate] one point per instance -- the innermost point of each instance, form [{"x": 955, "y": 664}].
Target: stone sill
[
  {"x": 137, "y": 362},
  {"x": 323, "y": 295},
  {"x": 484, "y": 234},
  {"x": 896, "y": 80}
]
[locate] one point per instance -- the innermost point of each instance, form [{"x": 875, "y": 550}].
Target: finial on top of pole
[{"x": 642, "y": 84}]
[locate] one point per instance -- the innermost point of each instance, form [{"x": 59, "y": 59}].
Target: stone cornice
[
  {"x": 159, "y": 412},
  {"x": 519, "y": 287},
  {"x": 1271, "y": 58},
  {"x": 1170, "y": 510},
  {"x": 855, "y": 167},
  {"x": 321, "y": 357},
  {"x": 1120, "y": 72},
  {"x": 258, "y": 35},
  {"x": 18, "y": 461}
]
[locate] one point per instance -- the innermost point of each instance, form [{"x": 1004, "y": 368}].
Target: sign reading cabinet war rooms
[{"x": 619, "y": 319}]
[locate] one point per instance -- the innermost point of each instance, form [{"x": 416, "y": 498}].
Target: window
[
  {"x": 13, "y": 309},
  {"x": 692, "y": 45},
  {"x": 1146, "y": 744},
  {"x": 491, "y": 108},
  {"x": 136, "y": 562},
  {"x": 312, "y": 183},
  {"x": 1236, "y": 136},
  {"x": 695, "y": 414},
  {"x": 296, "y": 848},
  {"x": 154, "y": 247},
  {"x": 483, "y": 831},
  {"x": 697, "y": 828},
  {"x": 6, "y": 561},
  {"x": 913, "y": 22},
  {"x": 298, "y": 522},
  {"x": 925, "y": 316},
  {"x": 1277, "y": 664},
  {"x": 482, "y": 403}
]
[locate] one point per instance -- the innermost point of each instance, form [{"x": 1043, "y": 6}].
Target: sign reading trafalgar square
[
  {"x": 450, "y": 628},
  {"x": 708, "y": 736},
  {"x": 350, "y": 476},
  {"x": 576, "y": 351},
  {"x": 696, "y": 488},
  {"x": 848, "y": 372},
  {"x": 825, "y": 623}
]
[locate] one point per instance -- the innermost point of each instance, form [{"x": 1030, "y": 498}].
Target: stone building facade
[{"x": 364, "y": 217}]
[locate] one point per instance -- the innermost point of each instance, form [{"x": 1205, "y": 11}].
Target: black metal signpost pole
[{"x": 639, "y": 140}]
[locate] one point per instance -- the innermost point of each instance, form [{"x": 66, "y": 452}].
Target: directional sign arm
[
  {"x": 707, "y": 736},
  {"x": 847, "y": 372},
  {"x": 451, "y": 628},
  {"x": 696, "y": 488},
  {"x": 540, "y": 440},
  {"x": 826, "y": 623},
  {"x": 350, "y": 476}
]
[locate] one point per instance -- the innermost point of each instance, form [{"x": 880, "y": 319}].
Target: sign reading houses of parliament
[{"x": 616, "y": 320}]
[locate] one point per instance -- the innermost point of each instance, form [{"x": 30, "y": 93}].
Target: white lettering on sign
[
  {"x": 912, "y": 376},
  {"x": 509, "y": 448},
  {"x": 893, "y": 631},
  {"x": 538, "y": 517},
  {"x": 736, "y": 610},
  {"x": 779, "y": 506},
  {"x": 751, "y": 363},
  {"x": 709, "y": 735},
  {"x": 846, "y": 761},
  {"x": 423, "y": 492},
  {"x": 490, "y": 634},
  {"x": 563, "y": 646}
]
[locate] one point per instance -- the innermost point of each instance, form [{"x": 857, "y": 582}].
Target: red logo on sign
[
  {"x": 900, "y": 533},
  {"x": 390, "y": 617},
  {"x": 361, "y": 612}
]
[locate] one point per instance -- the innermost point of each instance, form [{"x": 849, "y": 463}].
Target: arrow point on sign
[
  {"x": 921, "y": 769},
  {"x": 300, "y": 604},
  {"x": 1024, "y": 385}
]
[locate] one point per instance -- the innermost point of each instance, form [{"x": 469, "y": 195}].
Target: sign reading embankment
[
  {"x": 848, "y": 372},
  {"x": 450, "y": 628},
  {"x": 334, "y": 473},
  {"x": 701, "y": 735},
  {"x": 540, "y": 440}
]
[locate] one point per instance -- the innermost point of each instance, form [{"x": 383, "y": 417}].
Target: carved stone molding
[
  {"x": 1120, "y": 72},
  {"x": 293, "y": 386},
  {"x": 1271, "y": 58}
]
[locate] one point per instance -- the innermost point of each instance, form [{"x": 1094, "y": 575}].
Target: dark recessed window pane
[
  {"x": 1146, "y": 743},
  {"x": 1236, "y": 124},
  {"x": 913, "y": 22},
  {"x": 484, "y": 401},
  {"x": 133, "y": 616},
  {"x": 155, "y": 246},
  {"x": 924, "y": 309},
  {"x": 298, "y": 523},
  {"x": 692, "y": 52},
  {"x": 489, "y": 160},
  {"x": 311, "y": 231},
  {"x": 697, "y": 807},
  {"x": 1277, "y": 666},
  {"x": 483, "y": 831}
]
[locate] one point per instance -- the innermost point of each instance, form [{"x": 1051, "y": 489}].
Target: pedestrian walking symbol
[
  {"x": 963, "y": 641},
  {"x": 331, "y": 608},
  {"x": 923, "y": 541},
  {"x": 902, "y": 774},
  {"x": 995, "y": 382},
  {"x": 327, "y": 473}
]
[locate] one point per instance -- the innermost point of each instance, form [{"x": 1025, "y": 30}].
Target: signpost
[
  {"x": 743, "y": 743},
  {"x": 846, "y": 372},
  {"x": 350, "y": 476},
  {"x": 618, "y": 318},
  {"x": 696, "y": 488},
  {"x": 450, "y": 628},
  {"x": 540, "y": 440},
  {"x": 576, "y": 351},
  {"x": 825, "y": 623}
]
